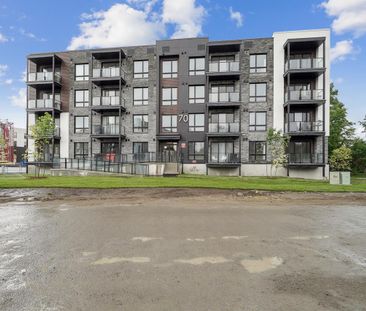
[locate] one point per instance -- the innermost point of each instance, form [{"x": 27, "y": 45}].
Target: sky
[{"x": 30, "y": 26}]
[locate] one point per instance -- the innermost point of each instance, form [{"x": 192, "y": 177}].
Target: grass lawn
[{"x": 185, "y": 181}]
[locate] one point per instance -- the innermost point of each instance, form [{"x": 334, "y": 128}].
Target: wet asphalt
[{"x": 172, "y": 249}]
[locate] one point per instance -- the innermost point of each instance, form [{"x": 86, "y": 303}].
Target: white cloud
[
  {"x": 3, "y": 38},
  {"x": 341, "y": 50},
  {"x": 185, "y": 15},
  {"x": 19, "y": 100},
  {"x": 350, "y": 15},
  {"x": 236, "y": 16},
  {"x": 146, "y": 5},
  {"x": 31, "y": 35},
  {"x": 3, "y": 69},
  {"x": 119, "y": 25},
  {"x": 8, "y": 81}
]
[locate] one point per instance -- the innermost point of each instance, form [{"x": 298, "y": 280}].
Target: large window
[
  {"x": 258, "y": 92},
  {"x": 257, "y": 151},
  {"x": 196, "y": 94},
  {"x": 141, "y": 69},
  {"x": 81, "y": 98},
  {"x": 196, "y": 150},
  {"x": 81, "y": 124},
  {"x": 258, "y": 63},
  {"x": 257, "y": 121},
  {"x": 140, "y": 147},
  {"x": 169, "y": 123},
  {"x": 222, "y": 152},
  {"x": 170, "y": 69},
  {"x": 140, "y": 96},
  {"x": 81, "y": 150},
  {"x": 81, "y": 72},
  {"x": 169, "y": 96},
  {"x": 197, "y": 66},
  {"x": 140, "y": 123},
  {"x": 196, "y": 122}
]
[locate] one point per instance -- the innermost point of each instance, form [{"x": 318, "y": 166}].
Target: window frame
[
  {"x": 171, "y": 101},
  {"x": 256, "y": 68},
  {"x": 255, "y": 157},
  {"x": 81, "y": 130},
  {"x": 171, "y": 128},
  {"x": 144, "y": 128},
  {"x": 143, "y": 74},
  {"x": 81, "y": 155},
  {"x": 195, "y": 127},
  {"x": 85, "y": 103},
  {"x": 194, "y": 99},
  {"x": 195, "y": 156},
  {"x": 257, "y": 98},
  {"x": 84, "y": 77},
  {"x": 195, "y": 71},
  {"x": 169, "y": 74},
  {"x": 144, "y": 101},
  {"x": 142, "y": 143},
  {"x": 254, "y": 127}
]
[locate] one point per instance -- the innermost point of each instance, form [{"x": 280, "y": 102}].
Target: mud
[{"x": 181, "y": 249}]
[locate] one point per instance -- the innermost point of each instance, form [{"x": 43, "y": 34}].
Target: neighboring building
[
  {"x": 19, "y": 144},
  {"x": 210, "y": 102},
  {"x": 6, "y": 142}
]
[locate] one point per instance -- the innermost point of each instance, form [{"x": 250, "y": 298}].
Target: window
[
  {"x": 196, "y": 122},
  {"x": 196, "y": 150},
  {"x": 257, "y": 151},
  {"x": 197, "y": 66},
  {"x": 82, "y": 72},
  {"x": 140, "y": 123},
  {"x": 257, "y": 121},
  {"x": 140, "y": 96},
  {"x": 169, "y": 123},
  {"x": 141, "y": 69},
  {"x": 81, "y": 98},
  {"x": 222, "y": 152},
  {"x": 80, "y": 150},
  {"x": 81, "y": 125},
  {"x": 258, "y": 92},
  {"x": 110, "y": 125},
  {"x": 170, "y": 69},
  {"x": 140, "y": 147},
  {"x": 196, "y": 94},
  {"x": 170, "y": 95},
  {"x": 258, "y": 63}
]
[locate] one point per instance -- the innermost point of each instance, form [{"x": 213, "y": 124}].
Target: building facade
[{"x": 210, "y": 103}]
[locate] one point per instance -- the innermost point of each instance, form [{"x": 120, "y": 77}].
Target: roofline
[{"x": 302, "y": 30}]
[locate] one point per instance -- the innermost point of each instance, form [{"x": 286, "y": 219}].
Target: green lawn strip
[{"x": 185, "y": 181}]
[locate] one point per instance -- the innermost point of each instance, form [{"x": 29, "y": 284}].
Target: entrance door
[
  {"x": 168, "y": 151},
  {"x": 109, "y": 151}
]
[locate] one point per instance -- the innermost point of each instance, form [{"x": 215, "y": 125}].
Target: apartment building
[{"x": 208, "y": 103}]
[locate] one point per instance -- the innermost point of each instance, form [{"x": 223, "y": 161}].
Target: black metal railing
[
  {"x": 305, "y": 158},
  {"x": 224, "y": 158},
  {"x": 223, "y": 127},
  {"x": 111, "y": 129},
  {"x": 301, "y": 127}
]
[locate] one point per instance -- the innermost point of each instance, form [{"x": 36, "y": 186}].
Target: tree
[
  {"x": 359, "y": 156},
  {"x": 363, "y": 124},
  {"x": 2, "y": 148},
  {"x": 341, "y": 159},
  {"x": 277, "y": 144},
  {"x": 41, "y": 132},
  {"x": 341, "y": 129}
]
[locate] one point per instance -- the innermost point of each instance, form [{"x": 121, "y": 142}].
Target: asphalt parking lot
[{"x": 177, "y": 249}]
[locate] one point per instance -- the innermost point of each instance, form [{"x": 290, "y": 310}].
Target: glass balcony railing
[
  {"x": 305, "y": 158},
  {"x": 300, "y": 126},
  {"x": 224, "y": 97},
  {"x": 224, "y": 158},
  {"x": 44, "y": 77},
  {"x": 106, "y": 101},
  {"x": 111, "y": 72},
  {"x": 231, "y": 127},
  {"x": 111, "y": 129},
  {"x": 223, "y": 66},
  {"x": 304, "y": 63},
  {"x": 44, "y": 104},
  {"x": 304, "y": 95}
]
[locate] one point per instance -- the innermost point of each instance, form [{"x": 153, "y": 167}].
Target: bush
[{"x": 341, "y": 159}]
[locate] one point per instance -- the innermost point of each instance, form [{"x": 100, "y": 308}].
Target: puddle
[
  {"x": 261, "y": 265},
  {"x": 202, "y": 260},
  {"x": 145, "y": 239},
  {"x": 234, "y": 237},
  {"x": 112, "y": 260},
  {"x": 309, "y": 237}
]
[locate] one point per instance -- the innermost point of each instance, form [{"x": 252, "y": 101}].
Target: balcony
[
  {"x": 305, "y": 128},
  {"x": 224, "y": 159},
  {"x": 223, "y": 129},
  {"x": 226, "y": 99},
  {"x": 108, "y": 73},
  {"x": 107, "y": 103},
  {"x": 304, "y": 96},
  {"x": 305, "y": 159},
  {"x": 43, "y": 77},
  {"x": 220, "y": 69},
  {"x": 108, "y": 130},
  {"x": 44, "y": 104},
  {"x": 304, "y": 65}
]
